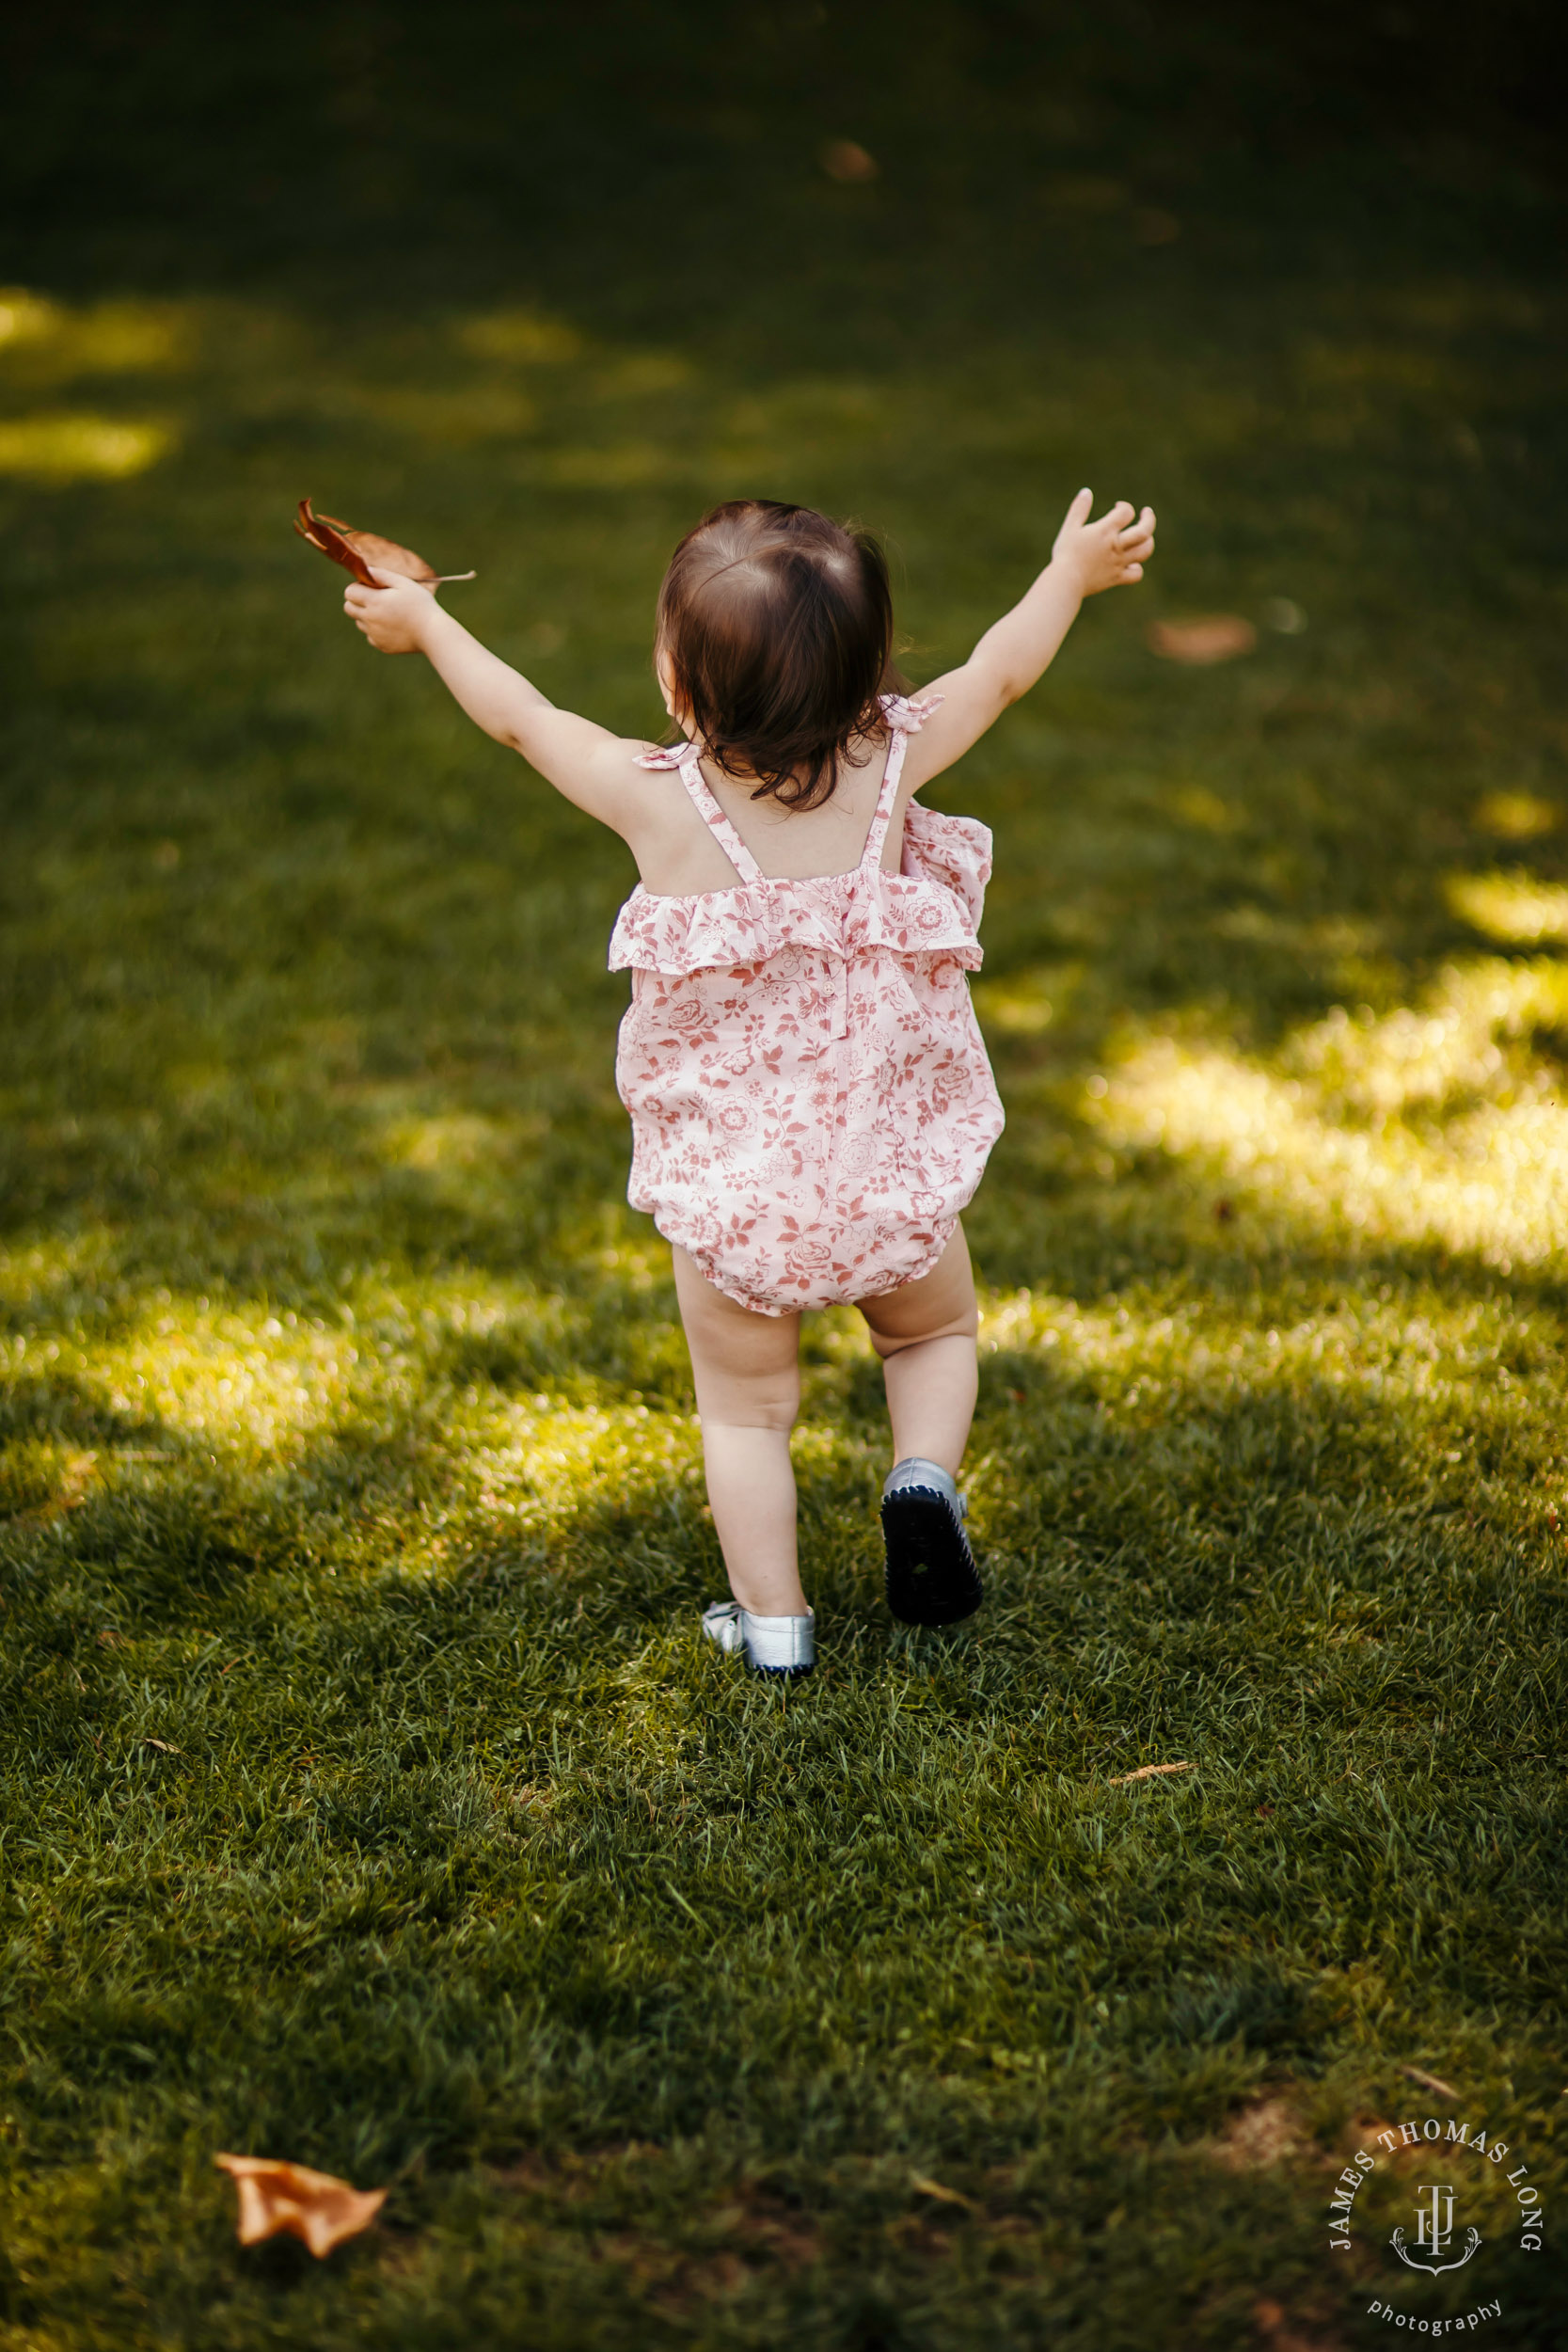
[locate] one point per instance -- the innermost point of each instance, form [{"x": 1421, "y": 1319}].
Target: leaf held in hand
[
  {"x": 312, "y": 2206},
  {"x": 357, "y": 550}
]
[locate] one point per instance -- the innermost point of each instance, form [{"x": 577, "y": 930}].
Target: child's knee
[
  {"x": 963, "y": 1326},
  {"x": 777, "y": 1414},
  {"x": 763, "y": 1402}
]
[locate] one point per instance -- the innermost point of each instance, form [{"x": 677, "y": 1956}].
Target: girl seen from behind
[{"x": 810, "y": 1103}]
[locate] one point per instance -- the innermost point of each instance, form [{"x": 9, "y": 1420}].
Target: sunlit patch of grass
[
  {"x": 45, "y": 1274},
  {"x": 540, "y": 1465},
  {"x": 1511, "y": 907},
  {"x": 63, "y": 445},
  {"x": 1196, "y": 804},
  {"x": 1517, "y": 815},
  {"x": 1426, "y": 1351},
  {"x": 47, "y": 341},
  {"x": 1471, "y": 1038},
  {"x": 1488, "y": 1183},
  {"x": 532, "y": 338}
]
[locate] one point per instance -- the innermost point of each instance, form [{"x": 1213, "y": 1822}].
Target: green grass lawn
[{"x": 369, "y": 1797}]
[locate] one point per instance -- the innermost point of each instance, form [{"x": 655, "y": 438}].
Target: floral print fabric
[{"x": 811, "y": 1102}]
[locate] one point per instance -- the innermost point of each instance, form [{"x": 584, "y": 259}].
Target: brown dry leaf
[
  {"x": 357, "y": 550},
  {"x": 847, "y": 162},
  {"x": 1429, "y": 2082},
  {"x": 1147, "y": 1771},
  {"x": 164, "y": 1747},
  {"x": 312, "y": 2206},
  {"x": 1209, "y": 637}
]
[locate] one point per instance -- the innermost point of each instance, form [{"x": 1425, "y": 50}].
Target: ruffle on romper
[{"x": 932, "y": 906}]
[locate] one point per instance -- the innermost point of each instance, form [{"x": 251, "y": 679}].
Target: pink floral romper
[{"x": 810, "y": 1098}]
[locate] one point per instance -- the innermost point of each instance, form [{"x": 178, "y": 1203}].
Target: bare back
[{"x": 678, "y": 855}]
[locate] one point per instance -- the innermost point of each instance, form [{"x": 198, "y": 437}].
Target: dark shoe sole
[{"x": 931, "y": 1575}]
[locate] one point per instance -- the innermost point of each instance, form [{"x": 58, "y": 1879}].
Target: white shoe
[{"x": 774, "y": 1645}]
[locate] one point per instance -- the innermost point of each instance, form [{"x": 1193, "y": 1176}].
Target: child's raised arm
[
  {"x": 1013, "y": 653},
  {"x": 582, "y": 760}
]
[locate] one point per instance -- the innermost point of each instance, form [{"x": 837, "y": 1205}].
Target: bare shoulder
[
  {"x": 599, "y": 772},
  {"x": 638, "y": 791}
]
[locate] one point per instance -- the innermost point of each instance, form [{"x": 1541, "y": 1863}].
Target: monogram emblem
[{"x": 1434, "y": 2231}]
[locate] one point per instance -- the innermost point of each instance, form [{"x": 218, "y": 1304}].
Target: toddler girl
[{"x": 810, "y": 1103}]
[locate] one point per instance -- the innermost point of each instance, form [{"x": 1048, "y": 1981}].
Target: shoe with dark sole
[{"x": 931, "y": 1575}]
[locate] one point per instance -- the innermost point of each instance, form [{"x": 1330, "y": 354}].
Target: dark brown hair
[{"x": 777, "y": 626}]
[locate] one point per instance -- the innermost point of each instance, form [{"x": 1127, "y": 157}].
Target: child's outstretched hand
[
  {"x": 1110, "y": 553},
  {"x": 395, "y": 615}
]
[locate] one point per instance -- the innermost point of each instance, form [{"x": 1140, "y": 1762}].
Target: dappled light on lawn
[
  {"x": 250, "y": 1390},
  {"x": 1517, "y": 815},
  {"x": 1513, "y": 908},
  {"x": 44, "y": 341},
  {"x": 1433, "y": 1125},
  {"x": 67, "y": 446}
]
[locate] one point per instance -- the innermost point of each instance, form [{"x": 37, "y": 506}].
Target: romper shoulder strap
[
  {"x": 904, "y": 718},
  {"x": 688, "y": 759}
]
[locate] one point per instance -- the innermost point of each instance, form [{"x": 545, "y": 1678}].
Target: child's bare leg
[
  {"x": 746, "y": 1371},
  {"x": 926, "y": 1335}
]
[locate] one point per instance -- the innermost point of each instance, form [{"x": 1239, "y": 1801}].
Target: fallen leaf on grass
[
  {"x": 1429, "y": 2082},
  {"x": 164, "y": 1747},
  {"x": 1147, "y": 1771},
  {"x": 847, "y": 160},
  {"x": 934, "y": 2188},
  {"x": 312, "y": 2206},
  {"x": 357, "y": 550},
  {"x": 1211, "y": 637}
]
